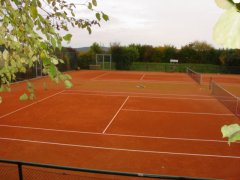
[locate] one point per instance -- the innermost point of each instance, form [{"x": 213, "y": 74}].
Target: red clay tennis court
[{"x": 157, "y": 123}]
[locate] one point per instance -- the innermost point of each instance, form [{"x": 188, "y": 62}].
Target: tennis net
[
  {"x": 229, "y": 100},
  {"x": 194, "y": 75}
]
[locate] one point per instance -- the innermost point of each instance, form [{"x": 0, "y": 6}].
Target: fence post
[{"x": 20, "y": 174}]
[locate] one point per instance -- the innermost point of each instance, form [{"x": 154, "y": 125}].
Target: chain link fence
[{"x": 16, "y": 170}]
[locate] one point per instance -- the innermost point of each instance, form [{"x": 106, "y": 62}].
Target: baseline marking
[
  {"x": 117, "y": 135},
  {"x": 115, "y": 115},
  {"x": 31, "y": 104},
  {"x": 119, "y": 149},
  {"x": 175, "y": 112}
]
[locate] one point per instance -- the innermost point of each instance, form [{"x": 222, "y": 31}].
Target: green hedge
[{"x": 167, "y": 67}]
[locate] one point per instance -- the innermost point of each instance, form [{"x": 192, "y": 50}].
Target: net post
[
  {"x": 103, "y": 61},
  {"x": 36, "y": 70},
  {"x": 96, "y": 59},
  {"x": 210, "y": 83},
  {"x": 200, "y": 81},
  {"x": 20, "y": 174},
  {"x": 110, "y": 62}
]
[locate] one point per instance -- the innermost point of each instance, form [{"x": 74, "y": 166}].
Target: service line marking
[
  {"x": 146, "y": 97},
  {"x": 156, "y": 94},
  {"x": 118, "y": 135},
  {"x": 176, "y": 112}
]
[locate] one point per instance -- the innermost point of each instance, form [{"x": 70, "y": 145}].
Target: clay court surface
[{"x": 158, "y": 123}]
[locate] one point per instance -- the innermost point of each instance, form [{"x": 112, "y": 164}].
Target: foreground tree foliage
[
  {"x": 227, "y": 33},
  {"x": 29, "y": 33}
]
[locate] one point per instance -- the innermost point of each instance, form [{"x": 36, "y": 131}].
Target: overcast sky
[{"x": 152, "y": 22}]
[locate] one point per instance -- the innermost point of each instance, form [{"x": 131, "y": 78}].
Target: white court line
[
  {"x": 119, "y": 92},
  {"x": 175, "y": 112},
  {"x": 142, "y": 77},
  {"x": 147, "y": 81},
  {"x": 87, "y": 94},
  {"x": 95, "y": 78},
  {"x": 115, "y": 115},
  {"x": 119, "y": 149},
  {"x": 174, "y": 98},
  {"x": 117, "y": 135},
  {"x": 30, "y": 104},
  {"x": 146, "y": 97}
]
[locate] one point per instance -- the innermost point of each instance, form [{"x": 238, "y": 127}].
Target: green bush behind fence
[{"x": 167, "y": 67}]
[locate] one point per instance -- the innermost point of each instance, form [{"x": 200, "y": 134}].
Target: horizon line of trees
[{"x": 197, "y": 52}]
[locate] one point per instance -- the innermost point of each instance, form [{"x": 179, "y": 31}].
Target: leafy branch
[
  {"x": 29, "y": 33},
  {"x": 227, "y": 33}
]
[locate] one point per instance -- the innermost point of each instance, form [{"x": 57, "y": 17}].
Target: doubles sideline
[
  {"x": 116, "y": 135},
  {"x": 118, "y": 149}
]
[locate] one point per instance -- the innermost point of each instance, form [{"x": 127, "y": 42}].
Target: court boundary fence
[{"x": 20, "y": 166}]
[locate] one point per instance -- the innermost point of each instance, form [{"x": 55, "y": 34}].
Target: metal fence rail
[{"x": 25, "y": 170}]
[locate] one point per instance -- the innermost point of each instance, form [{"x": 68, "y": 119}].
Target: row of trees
[{"x": 123, "y": 56}]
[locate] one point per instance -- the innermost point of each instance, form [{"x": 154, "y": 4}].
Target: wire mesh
[
  {"x": 230, "y": 101},
  {"x": 8, "y": 172},
  {"x": 12, "y": 170},
  {"x": 194, "y": 75},
  {"x": 33, "y": 173}
]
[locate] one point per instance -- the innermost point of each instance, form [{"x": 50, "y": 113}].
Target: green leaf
[
  {"x": 89, "y": 30},
  {"x": 52, "y": 71},
  {"x": 23, "y": 97},
  {"x": 16, "y": 2},
  {"x": 32, "y": 96},
  {"x": 53, "y": 42},
  {"x": 5, "y": 55},
  {"x": 1, "y": 89},
  {"x": 43, "y": 55},
  {"x": 33, "y": 12},
  {"x": 90, "y": 6},
  {"x": 98, "y": 16},
  {"x": 68, "y": 84},
  {"x": 224, "y": 4},
  {"x": 68, "y": 76},
  {"x": 55, "y": 61},
  {"x": 226, "y": 30},
  {"x": 94, "y": 2},
  {"x": 232, "y": 132},
  {"x": 67, "y": 37},
  {"x": 30, "y": 87},
  {"x": 105, "y": 17}
]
